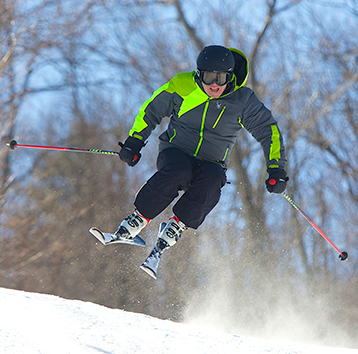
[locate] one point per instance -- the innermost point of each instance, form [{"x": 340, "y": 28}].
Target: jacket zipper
[
  {"x": 227, "y": 150},
  {"x": 202, "y": 128},
  {"x": 173, "y": 136},
  {"x": 217, "y": 121}
]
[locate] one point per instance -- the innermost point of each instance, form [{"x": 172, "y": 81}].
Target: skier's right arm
[
  {"x": 130, "y": 152},
  {"x": 151, "y": 113}
]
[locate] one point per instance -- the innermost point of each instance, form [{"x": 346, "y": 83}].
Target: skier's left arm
[{"x": 258, "y": 120}]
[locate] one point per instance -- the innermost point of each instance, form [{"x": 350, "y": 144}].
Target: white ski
[{"x": 110, "y": 238}]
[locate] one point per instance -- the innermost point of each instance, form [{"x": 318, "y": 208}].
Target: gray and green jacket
[{"x": 205, "y": 127}]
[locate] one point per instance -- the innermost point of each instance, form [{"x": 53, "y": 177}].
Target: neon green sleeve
[{"x": 162, "y": 103}]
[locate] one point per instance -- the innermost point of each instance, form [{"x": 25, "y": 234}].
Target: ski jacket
[{"x": 206, "y": 127}]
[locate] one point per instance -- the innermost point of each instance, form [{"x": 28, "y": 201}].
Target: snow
[{"x": 38, "y": 323}]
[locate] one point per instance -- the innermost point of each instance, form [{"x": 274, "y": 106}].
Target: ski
[
  {"x": 110, "y": 238},
  {"x": 150, "y": 265}
]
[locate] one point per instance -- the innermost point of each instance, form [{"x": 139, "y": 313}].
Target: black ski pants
[{"x": 201, "y": 182}]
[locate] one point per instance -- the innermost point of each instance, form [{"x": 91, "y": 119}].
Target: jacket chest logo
[{"x": 218, "y": 104}]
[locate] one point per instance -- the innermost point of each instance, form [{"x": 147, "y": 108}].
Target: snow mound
[{"x": 36, "y": 323}]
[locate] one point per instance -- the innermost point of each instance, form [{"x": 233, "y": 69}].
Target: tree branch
[{"x": 191, "y": 31}]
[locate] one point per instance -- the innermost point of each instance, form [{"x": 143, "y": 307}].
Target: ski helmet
[{"x": 215, "y": 58}]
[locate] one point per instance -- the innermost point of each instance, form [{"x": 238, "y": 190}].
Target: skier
[{"x": 207, "y": 110}]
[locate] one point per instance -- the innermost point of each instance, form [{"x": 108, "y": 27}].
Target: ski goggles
[{"x": 209, "y": 77}]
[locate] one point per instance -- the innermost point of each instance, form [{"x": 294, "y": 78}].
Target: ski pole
[
  {"x": 13, "y": 144},
  {"x": 342, "y": 255}
]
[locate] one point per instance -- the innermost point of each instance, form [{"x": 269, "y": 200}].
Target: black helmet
[{"x": 215, "y": 58}]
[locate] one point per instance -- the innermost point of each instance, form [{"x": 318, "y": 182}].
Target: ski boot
[
  {"x": 131, "y": 226},
  {"x": 168, "y": 235}
]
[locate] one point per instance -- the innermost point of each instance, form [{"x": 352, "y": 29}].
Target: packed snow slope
[{"x": 37, "y": 323}]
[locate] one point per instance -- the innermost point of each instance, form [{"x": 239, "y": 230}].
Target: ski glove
[
  {"x": 276, "y": 182},
  {"x": 130, "y": 151}
]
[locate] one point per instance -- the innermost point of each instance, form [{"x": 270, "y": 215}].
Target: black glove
[
  {"x": 130, "y": 150},
  {"x": 276, "y": 183}
]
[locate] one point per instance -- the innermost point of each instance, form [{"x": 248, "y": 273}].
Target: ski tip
[
  {"x": 149, "y": 271},
  {"x": 94, "y": 230},
  {"x": 97, "y": 234}
]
